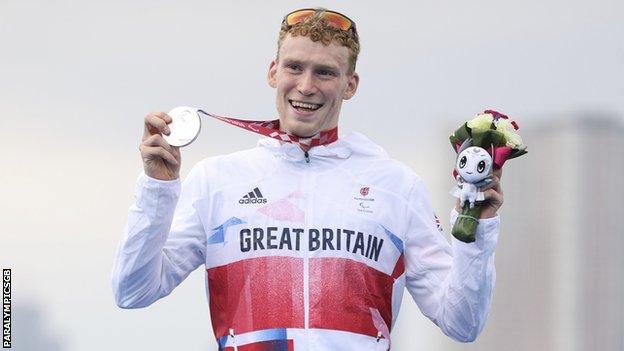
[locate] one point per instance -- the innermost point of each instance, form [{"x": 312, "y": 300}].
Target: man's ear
[
  {"x": 271, "y": 75},
  {"x": 352, "y": 85}
]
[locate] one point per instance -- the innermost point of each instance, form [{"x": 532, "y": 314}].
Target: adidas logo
[{"x": 254, "y": 197}]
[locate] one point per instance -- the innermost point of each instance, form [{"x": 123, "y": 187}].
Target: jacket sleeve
[
  {"x": 164, "y": 241},
  {"x": 452, "y": 285}
]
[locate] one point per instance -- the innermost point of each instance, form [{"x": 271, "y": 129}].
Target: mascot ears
[{"x": 499, "y": 154}]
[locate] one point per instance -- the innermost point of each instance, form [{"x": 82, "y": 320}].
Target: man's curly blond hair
[{"x": 318, "y": 29}]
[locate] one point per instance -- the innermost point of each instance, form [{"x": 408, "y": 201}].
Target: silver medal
[{"x": 184, "y": 127}]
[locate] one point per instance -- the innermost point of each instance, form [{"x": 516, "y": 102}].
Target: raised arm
[
  {"x": 452, "y": 285},
  {"x": 164, "y": 239}
]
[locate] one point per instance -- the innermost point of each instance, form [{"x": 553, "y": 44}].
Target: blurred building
[{"x": 560, "y": 268}]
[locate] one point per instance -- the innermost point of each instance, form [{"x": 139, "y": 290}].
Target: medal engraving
[{"x": 184, "y": 127}]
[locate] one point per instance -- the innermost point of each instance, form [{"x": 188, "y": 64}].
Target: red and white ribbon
[{"x": 271, "y": 129}]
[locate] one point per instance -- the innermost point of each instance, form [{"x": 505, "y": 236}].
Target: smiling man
[
  {"x": 307, "y": 245},
  {"x": 312, "y": 78}
]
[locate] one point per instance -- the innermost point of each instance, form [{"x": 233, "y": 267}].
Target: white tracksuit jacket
[{"x": 305, "y": 255}]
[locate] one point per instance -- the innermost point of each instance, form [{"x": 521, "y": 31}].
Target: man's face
[{"x": 311, "y": 80}]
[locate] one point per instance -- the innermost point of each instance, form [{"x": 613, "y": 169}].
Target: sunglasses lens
[
  {"x": 337, "y": 20},
  {"x": 298, "y": 16}
]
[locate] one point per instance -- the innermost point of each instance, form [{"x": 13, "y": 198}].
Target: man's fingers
[
  {"x": 163, "y": 116},
  {"x": 152, "y": 152},
  {"x": 490, "y": 194},
  {"x": 494, "y": 197},
  {"x": 157, "y": 140},
  {"x": 156, "y": 123},
  {"x": 493, "y": 184},
  {"x": 160, "y": 160},
  {"x": 498, "y": 173}
]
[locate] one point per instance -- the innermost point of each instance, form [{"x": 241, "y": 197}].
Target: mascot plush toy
[{"x": 473, "y": 171}]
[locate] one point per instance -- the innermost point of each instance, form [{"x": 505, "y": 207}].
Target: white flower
[
  {"x": 512, "y": 138},
  {"x": 481, "y": 122},
  {"x": 504, "y": 125}
]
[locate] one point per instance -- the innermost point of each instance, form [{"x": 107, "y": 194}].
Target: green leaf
[
  {"x": 487, "y": 138},
  {"x": 517, "y": 153},
  {"x": 460, "y": 135}
]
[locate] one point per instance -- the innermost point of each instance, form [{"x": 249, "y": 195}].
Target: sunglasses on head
[{"x": 335, "y": 19}]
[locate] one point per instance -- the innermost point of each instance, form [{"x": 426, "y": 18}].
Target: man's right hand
[{"x": 160, "y": 160}]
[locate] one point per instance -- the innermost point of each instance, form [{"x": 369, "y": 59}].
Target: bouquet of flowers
[{"x": 482, "y": 144}]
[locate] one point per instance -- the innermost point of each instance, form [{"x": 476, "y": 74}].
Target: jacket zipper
[
  {"x": 233, "y": 340},
  {"x": 308, "y": 186}
]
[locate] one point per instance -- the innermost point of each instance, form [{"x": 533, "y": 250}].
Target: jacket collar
[{"x": 343, "y": 148}]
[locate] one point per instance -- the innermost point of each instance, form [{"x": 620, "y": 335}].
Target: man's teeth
[{"x": 306, "y": 105}]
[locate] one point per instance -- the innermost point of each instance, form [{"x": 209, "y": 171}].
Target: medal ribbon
[{"x": 271, "y": 130}]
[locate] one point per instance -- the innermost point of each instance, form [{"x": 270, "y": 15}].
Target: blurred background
[{"x": 77, "y": 77}]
